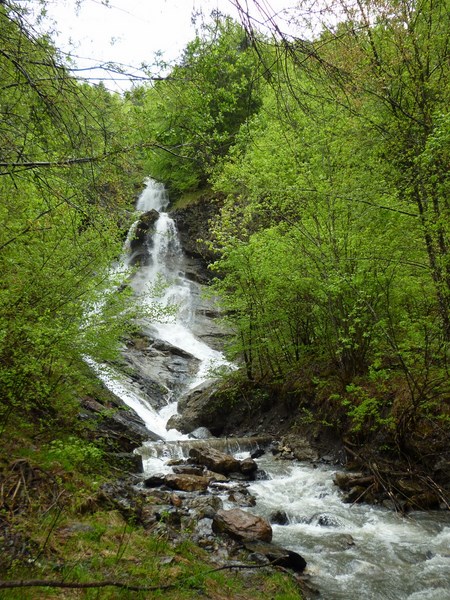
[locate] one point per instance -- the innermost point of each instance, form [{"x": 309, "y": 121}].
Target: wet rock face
[
  {"x": 120, "y": 428},
  {"x": 157, "y": 368},
  {"x": 137, "y": 244},
  {"x": 193, "y": 225}
]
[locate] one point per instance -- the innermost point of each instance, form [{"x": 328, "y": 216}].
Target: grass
[
  {"x": 54, "y": 527},
  {"x": 102, "y": 546}
]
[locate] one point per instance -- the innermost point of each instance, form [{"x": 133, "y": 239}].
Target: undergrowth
[{"x": 54, "y": 527}]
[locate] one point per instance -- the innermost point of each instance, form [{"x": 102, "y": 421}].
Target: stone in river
[{"x": 242, "y": 525}]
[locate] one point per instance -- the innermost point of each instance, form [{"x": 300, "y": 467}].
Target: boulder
[
  {"x": 203, "y": 407},
  {"x": 241, "y": 498},
  {"x": 216, "y": 461},
  {"x": 242, "y": 525},
  {"x": 248, "y": 467},
  {"x": 156, "y": 480},
  {"x": 257, "y": 453},
  {"x": 201, "y": 433},
  {"x": 297, "y": 447},
  {"x": 186, "y": 483},
  {"x": 279, "y": 517},
  {"x": 326, "y": 520},
  {"x": 203, "y": 507},
  {"x": 278, "y": 555},
  {"x": 215, "y": 476}
]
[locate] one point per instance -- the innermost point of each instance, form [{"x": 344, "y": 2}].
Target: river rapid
[{"x": 354, "y": 552}]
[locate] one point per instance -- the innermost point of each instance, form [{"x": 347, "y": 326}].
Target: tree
[
  {"x": 197, "y": 110},
  {"x": 387, "y": 63},
  {"x": 341, "y": 176},
  {"x": 62, "y": 200}
]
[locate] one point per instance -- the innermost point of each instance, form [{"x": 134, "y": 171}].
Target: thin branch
[
  {"x": 80, "y": 585},
  {"x": 67, "y": 162},
  {"x": 118, "y": 584}
]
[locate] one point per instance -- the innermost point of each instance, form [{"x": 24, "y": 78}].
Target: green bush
[{"x": 74, "y": 453}]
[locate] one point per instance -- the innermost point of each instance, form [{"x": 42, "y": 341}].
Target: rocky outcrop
[
  {"x": 118, "y": 426},
  {"x": 139, "y": 239},
  {"x": 230, "y": 534},
  {"x": 158, "y": 369},
  {"x": 202, "y": 407},
  {"x": 193, "y": 224},
  {"x": 242, "y": 525}
]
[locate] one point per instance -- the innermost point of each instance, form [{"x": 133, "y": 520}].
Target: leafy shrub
[{"x": 74, "y": 453}]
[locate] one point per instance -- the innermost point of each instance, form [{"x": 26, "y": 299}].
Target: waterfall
[
  {"x": 159, "y": 281},
  {"x": 165, "y": 266}
]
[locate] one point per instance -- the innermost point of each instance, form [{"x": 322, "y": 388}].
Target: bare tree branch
[{"x": 67, "y": 162}]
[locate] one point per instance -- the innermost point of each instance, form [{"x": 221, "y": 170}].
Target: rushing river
[{"x": 353, "y": 552}]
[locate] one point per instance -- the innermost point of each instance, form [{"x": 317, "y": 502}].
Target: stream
[{"x": 353, "y": 551}]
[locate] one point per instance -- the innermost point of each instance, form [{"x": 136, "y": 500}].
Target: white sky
[{"x": 130, "y": 32}]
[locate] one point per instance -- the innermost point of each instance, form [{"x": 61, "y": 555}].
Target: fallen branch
[
  {"x": 79, "y": 585},
  {"x": 23, "y": 583}
]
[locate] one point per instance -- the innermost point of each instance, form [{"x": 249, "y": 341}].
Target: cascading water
[
  {"x": 165, "y": 267},
  {"x": 353, "y": 552},
  {"x": 159, "y": 281}
]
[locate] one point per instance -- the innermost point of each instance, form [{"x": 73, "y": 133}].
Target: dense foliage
[
  {"x": 63, "y": 186},
  {"x": 194, "y": 113},
  {"x": 331, "y": 155},
  {"x": 334, "y": 237}
]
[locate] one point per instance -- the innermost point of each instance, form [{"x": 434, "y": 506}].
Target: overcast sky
[{"x": 130, "y": 32}]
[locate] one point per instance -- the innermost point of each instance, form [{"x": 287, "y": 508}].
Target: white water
[
  {"x": 161, "y": 281},
  {"x": 353, "y": 552},
  {"x": 122, "y": 387},
  {"x": 166, "y": 267}
]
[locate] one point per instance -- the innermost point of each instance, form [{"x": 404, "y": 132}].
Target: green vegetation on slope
[{"x": 64, "y": 189}]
